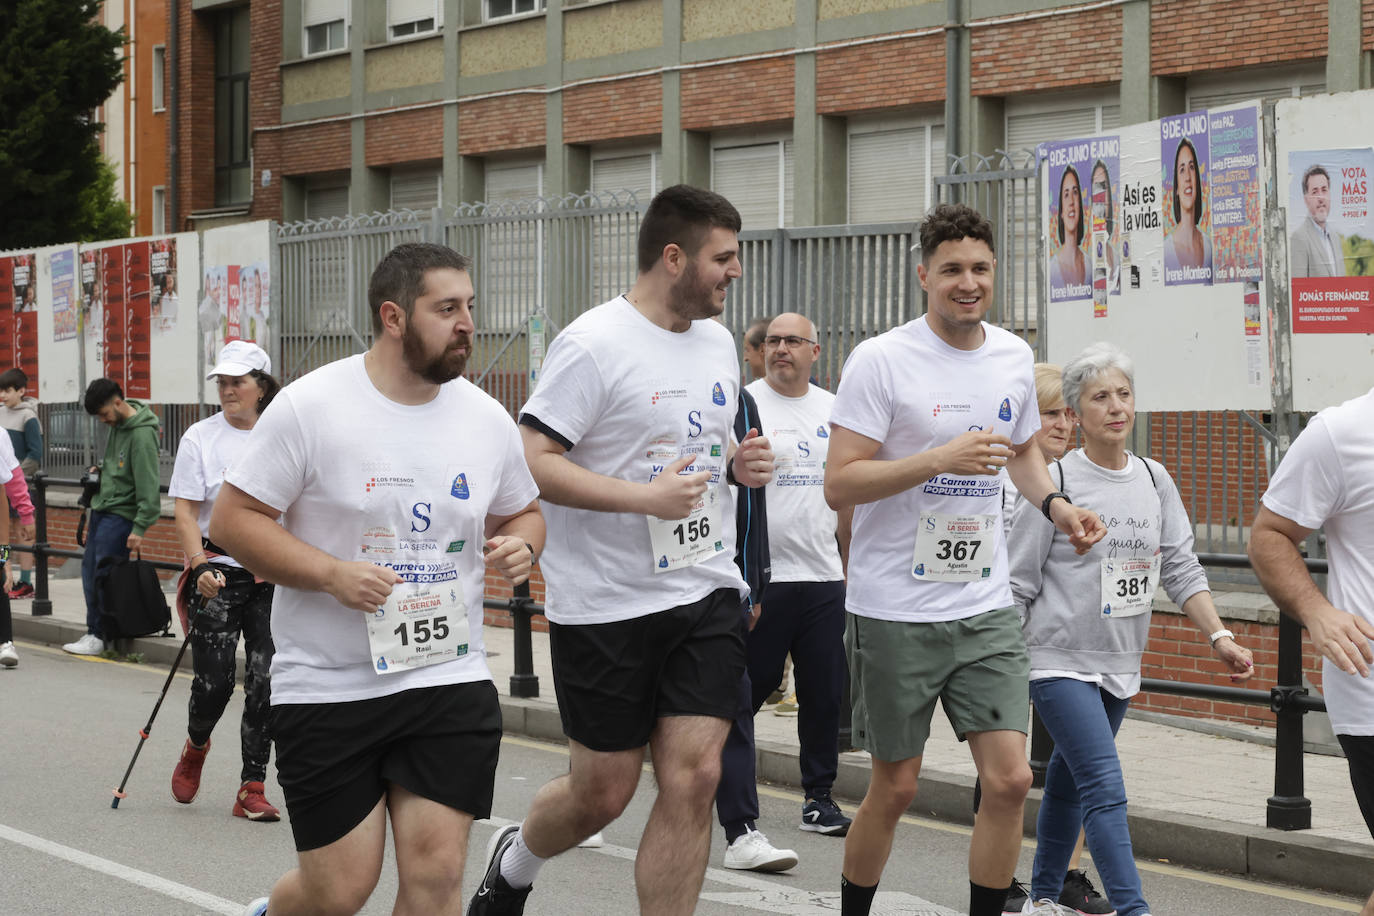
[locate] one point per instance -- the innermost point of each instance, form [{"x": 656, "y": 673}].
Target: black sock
[
  {"x": 857, "y": 900},
  {"x": 985, "y": 901},
  {"x": 735, "y": 831}
]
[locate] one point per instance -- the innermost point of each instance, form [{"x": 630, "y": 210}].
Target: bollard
[
  {"x": 1287, "y": 808},
  {"x": 523, "y": 681},
  {"x": 42, "y": 603}
]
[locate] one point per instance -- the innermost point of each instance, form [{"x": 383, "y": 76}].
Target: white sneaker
[
  {"x": 8, "y": 657},
  {"x": 595, "y": 841},
  {"x": 1043, "y": 907},
  {"x": 753, "y": 852},
  {"x": 90, "y": 644}
]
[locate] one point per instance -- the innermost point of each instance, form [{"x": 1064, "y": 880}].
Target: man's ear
[
  {"x": 393, "y": 317},
  {"x": 674, "y": 259}
]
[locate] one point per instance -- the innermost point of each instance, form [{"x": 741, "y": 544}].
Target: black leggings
[
  {"x": 1359, "y": 755},
  {"x": 242, "y": 606},
  {"x": 6, "y": 622}
]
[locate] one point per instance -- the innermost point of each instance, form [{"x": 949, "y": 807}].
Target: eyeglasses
[{"x": 790, "y": 340}]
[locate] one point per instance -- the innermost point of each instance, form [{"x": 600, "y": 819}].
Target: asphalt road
[{"x": 68, "y": 727}]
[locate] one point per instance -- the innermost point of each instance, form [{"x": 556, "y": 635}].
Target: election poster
[
  {"x": 1237, "y": 240},
  {"x": 1070, "y": 264},
  {"x": 1186, "y": 212},
  {"x": 1331, "y": 241},
  {"x": 66, "y": 304}
]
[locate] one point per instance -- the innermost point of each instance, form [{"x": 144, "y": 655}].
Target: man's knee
[
  {"x": 1006, "y": 785},
  {"x": 602, "y": 789},
  {"x": 892, "y": 791},
  {"x": 339, "y": 890}
]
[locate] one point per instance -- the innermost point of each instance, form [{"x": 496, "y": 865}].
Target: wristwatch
[
  {"x": 1045, "y": 506},
  {"x": 1212, "y": 640}
]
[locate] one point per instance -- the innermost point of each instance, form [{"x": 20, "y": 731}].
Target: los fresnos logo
[
  {"x": 460, "y": 487},
  {"x": 718, "y": 395}
]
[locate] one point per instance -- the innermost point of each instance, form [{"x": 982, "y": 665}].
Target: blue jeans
[
  {"x": 106, "y": 536},
  {"x": 1084, "y": 786}
]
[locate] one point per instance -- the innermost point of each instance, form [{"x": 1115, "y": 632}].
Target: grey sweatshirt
[{"x": 1060, "y": 591}]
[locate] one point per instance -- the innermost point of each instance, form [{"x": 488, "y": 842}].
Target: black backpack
[{"x": 132, "y": 601}]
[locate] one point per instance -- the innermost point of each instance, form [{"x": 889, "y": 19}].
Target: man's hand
[
  {"x": 754, "y": 460},
  {"x": 754, "y": 611},
  {"x": 1083, "y": 526},
  {"x": 8, "y": 576},
  {"x": 672, "y": 494},
  {"x": 1236, "y": 657},
  {"x": 209, "y": 583},
  {"x": 509, "y": 556},
  {"x": 1341, "y": 637},
  {"x": 975, "y": 452},
  {"x": 361, "y": 585}
]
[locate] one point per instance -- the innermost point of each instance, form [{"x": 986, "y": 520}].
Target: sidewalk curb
[{"x": 1304, "y": 860}]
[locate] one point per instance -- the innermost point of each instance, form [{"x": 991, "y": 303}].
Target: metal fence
[{"x": 539, "y": 263}]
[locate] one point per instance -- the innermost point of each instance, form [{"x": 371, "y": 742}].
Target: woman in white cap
[{"x": 231, "y": 601}]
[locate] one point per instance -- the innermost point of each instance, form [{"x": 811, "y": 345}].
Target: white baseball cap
[{"x": 240, "y": 357}]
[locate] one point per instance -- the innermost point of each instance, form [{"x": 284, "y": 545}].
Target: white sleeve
[
  {"x": 1309, "y": 484},
  {"x": 516, "y": 488},
  {"x": 188, "y": 477},
  {"x": 274, "y": 464},
  {"x": 863, "y": 399},
  {"x": 1028, "y": 547},
  {"x": 570, "y": 394}
]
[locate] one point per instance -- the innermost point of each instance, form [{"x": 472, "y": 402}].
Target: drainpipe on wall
[
  {"x": 954, "y": 108},
  {"x": 174, "y": 112}
]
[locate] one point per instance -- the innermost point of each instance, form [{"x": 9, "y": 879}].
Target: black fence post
[
  {"x": 42, "y": 604},
  {"x": 523, "y": 682},
  {"x": 1287, "y": 808}
]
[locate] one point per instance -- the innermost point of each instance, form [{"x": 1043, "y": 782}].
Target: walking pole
[{"x": 146, "y": 730}]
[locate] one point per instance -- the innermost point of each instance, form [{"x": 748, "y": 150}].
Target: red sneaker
[
  {"x": 253, "y": 804},
  {"x": 21, "y": 590},
  {"x": 186, "y": 777}
]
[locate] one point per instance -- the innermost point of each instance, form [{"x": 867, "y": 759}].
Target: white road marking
[
  {"x": 124, "y": 873},
  {"x": 773, "y": 897}
]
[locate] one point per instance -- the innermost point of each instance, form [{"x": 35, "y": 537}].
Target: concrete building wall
[{"x": 579, "y": 76}]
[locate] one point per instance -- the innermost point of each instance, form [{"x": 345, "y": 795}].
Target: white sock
[{"x": 518, "y": 864}]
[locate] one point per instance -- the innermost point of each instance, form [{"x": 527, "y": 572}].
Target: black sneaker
[
  {"x": 494, "y": 896},
  {"x": 1017, "y": 895},
  {"x": 1079, "y": 896},
  {"x": 822, "y": 815}
]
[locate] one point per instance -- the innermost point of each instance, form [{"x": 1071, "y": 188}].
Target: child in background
[{"x": 19, "y": 417}]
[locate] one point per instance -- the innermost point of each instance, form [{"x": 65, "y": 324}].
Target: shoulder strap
[
  {"x": 1060, "y": 465},
  {"x": 1149, "y": 470}
]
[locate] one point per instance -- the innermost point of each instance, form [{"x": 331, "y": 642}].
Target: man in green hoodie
[{"x": 128, "y": 502}]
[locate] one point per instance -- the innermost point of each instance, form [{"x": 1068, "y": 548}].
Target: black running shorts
[
  {"x": 614, "y": 681},
  {"x": 335, "y": 760}
]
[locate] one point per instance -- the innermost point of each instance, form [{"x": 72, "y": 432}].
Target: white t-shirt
[
  {"x": 627, "y": 398},
  {"x": 208, "y": 449},
  {"x": 1327, "y": 480},
  {"x": 911, "y": 391},
  {"x": 801, "y": 527},
  {"x": 360, "y": 476}
]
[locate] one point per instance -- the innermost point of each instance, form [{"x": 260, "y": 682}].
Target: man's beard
[
  {"x": 436, "y": 370},
  {"x": 690, "y": 298}
]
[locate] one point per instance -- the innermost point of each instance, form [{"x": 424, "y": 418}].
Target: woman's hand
[{"x": 1235, "y": 656}]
